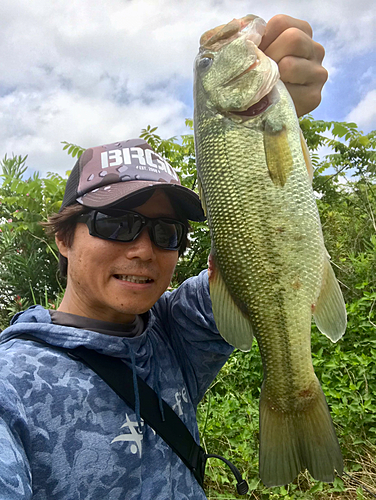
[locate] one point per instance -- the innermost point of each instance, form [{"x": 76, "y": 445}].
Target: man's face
[{"x": 102, "y": 274}]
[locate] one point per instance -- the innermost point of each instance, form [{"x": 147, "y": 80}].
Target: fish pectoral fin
[
  {"x": 307, "y": 156},
  {"x": 278, "y": 154},
  {"x": 232, "y": 324},
  {"x": 330, "y": 310}
]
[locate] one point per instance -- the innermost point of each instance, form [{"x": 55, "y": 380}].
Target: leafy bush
[{"x": 28, "y": 258}]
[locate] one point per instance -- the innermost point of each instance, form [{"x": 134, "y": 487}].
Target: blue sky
[
  {"x": 347, "y": 88},
  {"x": 92, "y": 72}
]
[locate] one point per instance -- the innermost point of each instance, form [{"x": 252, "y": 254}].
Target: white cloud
[
  {"x": 35, "y": 124},
  {"x": 91, "y": 72},
  {"x": 364, "y": 114}
]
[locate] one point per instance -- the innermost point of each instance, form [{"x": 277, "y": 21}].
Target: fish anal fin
[
  {"x": 232, "y": 324},
  {"x": 278, "y": 154},
  {"x": 307, "y": 156},
  {"x": 291, "y": 441},
  {"x": 330, "y": 311}
]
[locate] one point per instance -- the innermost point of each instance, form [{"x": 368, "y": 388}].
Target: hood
[{"x": 37, "y": 322}]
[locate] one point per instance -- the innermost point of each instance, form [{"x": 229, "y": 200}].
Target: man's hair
[{"x": 63, "y": 226}]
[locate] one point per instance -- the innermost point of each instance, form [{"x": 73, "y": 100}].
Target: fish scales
[
  {"x": 248, "y": 267},
  {"x": 268, "y": 262}
]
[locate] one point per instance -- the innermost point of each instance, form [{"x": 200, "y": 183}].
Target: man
[{"x": 64, "y": 434}]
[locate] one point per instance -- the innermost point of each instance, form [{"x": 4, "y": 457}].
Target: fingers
[
  {"x": 294, "y": 42},
  {"x": 288, "y": 41},
  {"x": 304, "y": 80},
  {"x": 280, "y": 23},
  {"x": 305, "y": 97},
  {"x": 301, "y": 71}
]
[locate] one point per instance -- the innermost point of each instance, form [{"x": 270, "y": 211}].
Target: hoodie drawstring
[
  {"x": 156, "y": 383},
  {"x": 156, "y": 379},
  {"x": 135, "y": 388}
]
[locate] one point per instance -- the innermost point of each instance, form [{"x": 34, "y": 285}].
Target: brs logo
[{"x": 144, "y": 157}]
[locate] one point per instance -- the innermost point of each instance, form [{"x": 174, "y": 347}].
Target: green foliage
[
  {"x": 73, "y": 149},
  {"x": 28, "y": 258}
]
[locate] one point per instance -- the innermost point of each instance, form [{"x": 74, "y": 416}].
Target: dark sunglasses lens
[
  {"x": 168, "y": 235},
  {"x": 122, "y": 228},
  {"x": 126, "y": 227}
]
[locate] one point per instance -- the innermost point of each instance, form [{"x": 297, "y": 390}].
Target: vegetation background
[{"x": 345, "y": 184}]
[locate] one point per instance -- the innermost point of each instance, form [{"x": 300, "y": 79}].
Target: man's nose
[{"x": 142, "y": 247}]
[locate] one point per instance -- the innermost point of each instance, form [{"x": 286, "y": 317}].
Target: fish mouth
[{"x": 256, "y": 109}]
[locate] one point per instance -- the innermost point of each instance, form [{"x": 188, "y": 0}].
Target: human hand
[{"x": 288, "y": 41}]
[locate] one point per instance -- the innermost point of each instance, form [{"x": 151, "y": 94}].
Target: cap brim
[{"x": 112, "y": 194}]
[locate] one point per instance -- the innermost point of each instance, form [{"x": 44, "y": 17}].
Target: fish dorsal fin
[
  {"x": 307, "y": 156},
  {"x": 232, "y": 324},
  {"x": 278, "y": 154},
  {"x": 330, "y": 310}
]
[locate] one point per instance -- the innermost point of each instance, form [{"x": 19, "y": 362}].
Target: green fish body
[{"x": 269, "y": 269}]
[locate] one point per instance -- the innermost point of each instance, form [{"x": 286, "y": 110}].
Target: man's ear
[{"x": 63, "y": 249}]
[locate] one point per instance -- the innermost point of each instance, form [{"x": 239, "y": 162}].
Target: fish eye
[{"x": 205, "y": 62}]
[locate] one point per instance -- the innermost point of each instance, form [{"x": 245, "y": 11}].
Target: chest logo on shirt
[
  {"x": 135, "y": 432},
  {"x": 134, "y": 435},
  {"x": 180, "y": 397}
]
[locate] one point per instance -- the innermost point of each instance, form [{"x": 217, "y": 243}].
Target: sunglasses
[{"x": 126, "y": 226}]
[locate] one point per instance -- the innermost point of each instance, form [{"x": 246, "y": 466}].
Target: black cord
[{"x": 242, "y": 485}]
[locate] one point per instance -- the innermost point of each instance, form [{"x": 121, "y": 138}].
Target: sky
[{"x": 93, "y": 72}]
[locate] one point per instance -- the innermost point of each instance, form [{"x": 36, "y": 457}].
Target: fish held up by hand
[{"x": 269, "y": 267}]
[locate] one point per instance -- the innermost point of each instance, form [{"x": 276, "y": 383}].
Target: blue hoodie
[{"x": 64, "y": 434}]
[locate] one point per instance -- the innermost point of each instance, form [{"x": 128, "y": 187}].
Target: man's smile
[{"x": 133, "y": 279}]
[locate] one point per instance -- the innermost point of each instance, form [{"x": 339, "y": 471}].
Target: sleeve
[
  {"x": 15, "y": 472},
  {"x": 200, "y": 349}
]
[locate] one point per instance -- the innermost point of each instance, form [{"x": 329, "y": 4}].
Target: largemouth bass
[{"x": 269, "y": 269}]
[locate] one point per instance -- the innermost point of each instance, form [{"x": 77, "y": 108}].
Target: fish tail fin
[{"x": 293, "y": 441}]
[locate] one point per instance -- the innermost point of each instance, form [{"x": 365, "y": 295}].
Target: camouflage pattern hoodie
[{"x": 64, "y": 434}]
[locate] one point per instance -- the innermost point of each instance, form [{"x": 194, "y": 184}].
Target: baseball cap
[{"x": 106, "y": 176}]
